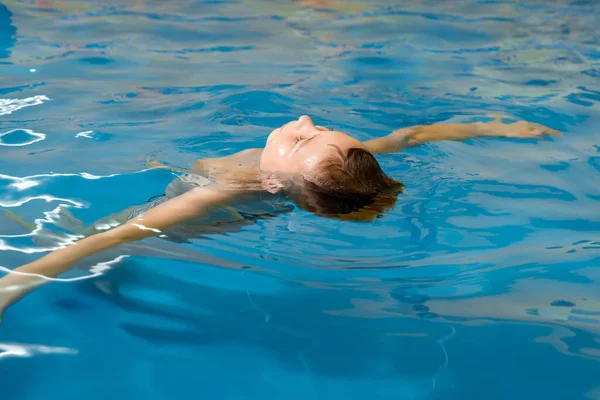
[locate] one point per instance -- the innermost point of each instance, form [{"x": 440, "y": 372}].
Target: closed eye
[{"x": 304, "y": 142}]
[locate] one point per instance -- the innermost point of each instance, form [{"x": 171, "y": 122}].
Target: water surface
[{"x": 483, "y": 282}]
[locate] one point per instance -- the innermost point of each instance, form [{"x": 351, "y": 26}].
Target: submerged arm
[
  {"x": 417, "y": 135},
  {"x": 195, "y": 203}
]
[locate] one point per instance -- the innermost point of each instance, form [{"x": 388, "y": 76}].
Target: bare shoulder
[{"x": 243, "y": 160}]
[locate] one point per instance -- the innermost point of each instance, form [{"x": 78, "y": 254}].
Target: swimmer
[{"x": 321, "y": 170}]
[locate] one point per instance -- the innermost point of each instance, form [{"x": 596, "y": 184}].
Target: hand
[
  {"x": 153, "y": 164},
  {"x": 150, "y": 163},
  {"x": 520, "y": 129}
]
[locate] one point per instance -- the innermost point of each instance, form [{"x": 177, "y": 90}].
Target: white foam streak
[
  {"x": 45, "y": 197},
  {"x": 27, "y": 182},
  {"x": 109, "y": 225},
  {"x": 8, "y": 106},
  {"x": 8, "y": 350},
  {"x": 145, "y": 228},
  {"x": 85, "y": 134},
  {"x": 22, "y": 185},
  {"x": 101, "y": 267},
  {"x": 96, "y": 270}
]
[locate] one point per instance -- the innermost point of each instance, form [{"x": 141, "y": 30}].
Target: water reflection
[
  {"x": 7, "y": 32},
  {"x": 486, "y": 266}
]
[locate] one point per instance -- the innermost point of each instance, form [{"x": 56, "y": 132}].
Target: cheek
[
  {"x": 280, "y": 146},
  {"x": 310, "y": 162},
  {"x": 272, "y": 156}
]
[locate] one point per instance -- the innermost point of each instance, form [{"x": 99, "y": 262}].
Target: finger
[
  {"x": 155, "y": 164},
  {"x": 553, "y": 132},
  {"x": 152, "y": 163},
  {"x": 544, "y": 130}
]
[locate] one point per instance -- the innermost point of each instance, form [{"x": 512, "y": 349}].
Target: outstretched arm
[
  {"x": 417, "y": 135},
  {"x": 196, "y": 202}
]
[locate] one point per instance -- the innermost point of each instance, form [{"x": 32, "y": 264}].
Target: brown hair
[{"x": 353, "y": 187}]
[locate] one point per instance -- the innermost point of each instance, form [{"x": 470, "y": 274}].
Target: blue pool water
[{"x": 482, "y": 283}]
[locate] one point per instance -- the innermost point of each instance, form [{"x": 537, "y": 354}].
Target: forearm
[
  {"x": 392, "y": 143},
  {"x": 185, "y": 207},
  {"x": 30, "y": 276},
  {"x": 417, "y": 135},
  {"x": 60, "y": 261},
  {"x": 455, "y": 132},
  {"x": 25, "y": 279},
  {"x": 196, "y": 202}
]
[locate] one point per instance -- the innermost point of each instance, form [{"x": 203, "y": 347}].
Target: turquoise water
[{"x": 484, "y": 282}]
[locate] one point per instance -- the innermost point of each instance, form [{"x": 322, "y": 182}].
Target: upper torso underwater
[{"x": 227, "y": 218}]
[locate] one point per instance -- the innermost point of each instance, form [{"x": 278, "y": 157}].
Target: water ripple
[
  {"x": 20, "y": 137},
  {"x": 489, "y": 254}
]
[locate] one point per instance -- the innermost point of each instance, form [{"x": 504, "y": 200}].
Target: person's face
[{"x": 298, "y": 147}]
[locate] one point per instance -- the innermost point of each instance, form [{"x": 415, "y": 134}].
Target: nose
[{"x": 305, "y": 121}]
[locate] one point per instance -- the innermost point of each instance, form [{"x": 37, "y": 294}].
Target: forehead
[
  {"x": 335, "y": 139},
  {"x": 326, "y": 145}
]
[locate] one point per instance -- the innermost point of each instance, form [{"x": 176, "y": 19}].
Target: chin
[
  {"x": 273, "y": 134},
  {"x": 264, "y": 163}
]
